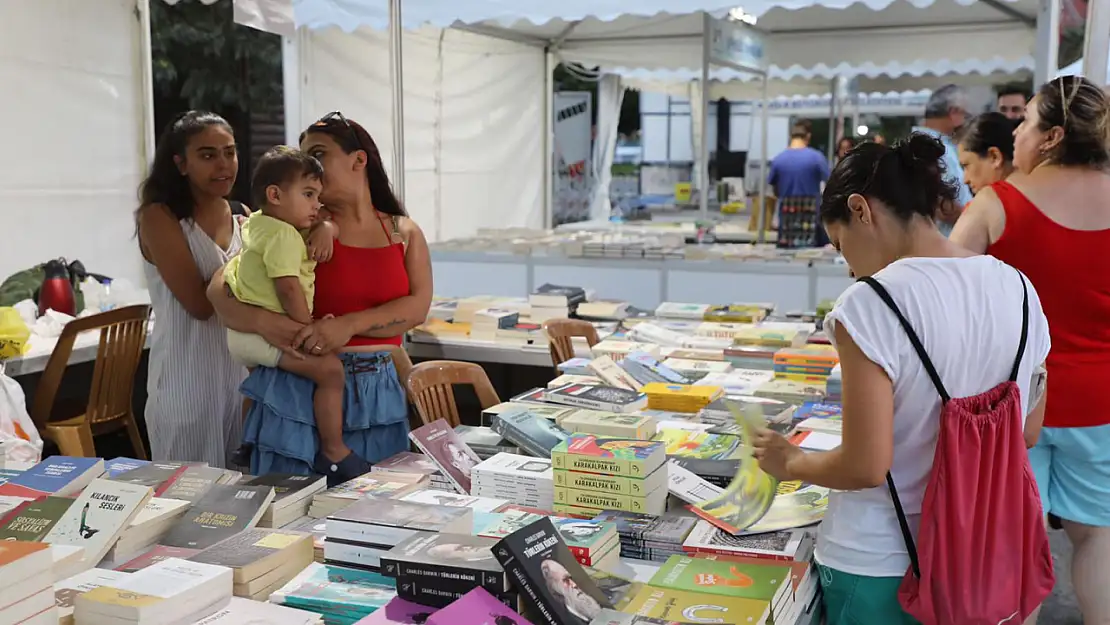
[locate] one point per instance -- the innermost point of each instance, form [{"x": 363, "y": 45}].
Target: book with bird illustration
[{"x": 98, "y": 515}]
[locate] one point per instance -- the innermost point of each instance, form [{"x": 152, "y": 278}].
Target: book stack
[
  {"x": 812, "y": 363},
  {"x": 793, "y": 545},
  {"x": 650, "y": 537},
  {"x": 772, "y": 336},
  {"x": 609, "y": 424},
  {"x": 575, "y": 366},
  {"x": 618, "y": 350},
  {"x": 680, "y": 310},
  {"x": 523, "y": 479},
  {"x": 611, "y": 374},
  {"x": 695, "y": 370},
  {"x": 737, "y": 381},
  {"x": 778, "y": 414},
  {"x": 552, "y": 301},
  {"x": 369, "y": 486},
  {"x": 738, "y": 313},
  {"x": 681, "y": 397},
  {"x": 154, "y": 520},
  {"x": 57, "y": 475},
  {"x": 97, "y": 516},
  {"x": 501, "y": 524},
  {"x": 444, "y": 498},
  {"x": 27, "y": 595},
  {"x": 488, "y": 321},
  {"x": 318, "y": 528},
  {"x": 594, "y": 474},
  {"x": 818, "y": 417},
  {"x": 535, "y": 557},
  {"x": 412, "y": 463},
  {"x": 261, "y": 559},
  {"x": 341, "y": 595},
  {"x": 592, "y": 543},
  {"x": 647, "y": 369},
  {"x": 437, "y": 569},
  {"x": 66, "y": 590},
  {"x": 358, "y": 535},
  {"x": 608, "y": 398},
  {"x": 525, "y": 427},
  {"x": 169, "y": 591},
  {"x": 790, "y": 391},
  {"x": 292, "y": 496},
  {"x": 241, "y": 611},
  {"x": 442, "y": 446}
]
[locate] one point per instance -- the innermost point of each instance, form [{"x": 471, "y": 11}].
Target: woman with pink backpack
[{"x": 935, "y": 516}]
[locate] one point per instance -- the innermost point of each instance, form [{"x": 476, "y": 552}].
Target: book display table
[{"x": 790, "y": 285}]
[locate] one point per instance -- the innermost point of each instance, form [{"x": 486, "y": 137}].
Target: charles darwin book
[
  {"x": 400, "y": 612},
  {"x": 610, "y": 456},
  {"x": 613, "y": 617},
  {"x": 57, "y": 475},
  {"x": 694, "y": 607},
  {"x": 609, "y": 424},
  {"x": 433, "y": 594},
  {"x": 34, "y": 520},
  {"x": 444, "y": 447},
  {"x": 608, "y": 398},
  {"x": 98, "y": 515},
  {"x": 534, "y": 435},
  {"x": 552, "y": 583},
  {"x": 335, "y": 590},
  {"x": 66, "y": 590},
  {"x": 767, "y": 581},
  {"x": 256, "y": 551},
  {"x": 477, "y": 607},
  {"x": 223, "y": 512},
  {"x": 390, "y": 521},
  {"x": 116, "y": 466},
  {"x": 448, "y": 560}
]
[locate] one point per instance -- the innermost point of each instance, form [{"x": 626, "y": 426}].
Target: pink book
[
  {"x": 399, "y": 612},
  {"x": 454, "y": 458},
  {"x": 477, "y": 607}
]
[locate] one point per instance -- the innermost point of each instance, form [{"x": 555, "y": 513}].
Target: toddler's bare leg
[{"x": 330, "y": 377}]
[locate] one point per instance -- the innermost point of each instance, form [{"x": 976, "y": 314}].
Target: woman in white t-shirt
[{"x": 878, "y": 209}]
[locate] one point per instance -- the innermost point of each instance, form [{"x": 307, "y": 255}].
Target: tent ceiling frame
[{"x": 1002, "y": 7}]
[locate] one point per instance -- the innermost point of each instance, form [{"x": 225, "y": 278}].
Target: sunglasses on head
[{"x": 328, "y": 121}]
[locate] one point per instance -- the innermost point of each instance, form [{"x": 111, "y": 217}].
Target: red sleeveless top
[
  {"x": 358, "y": 278},
  {"x": 1071, "y": 272}
]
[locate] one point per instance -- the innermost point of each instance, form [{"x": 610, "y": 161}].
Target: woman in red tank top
[
  {"x": 1053, "y": 223},
  {"x": 373, "y": 284}
]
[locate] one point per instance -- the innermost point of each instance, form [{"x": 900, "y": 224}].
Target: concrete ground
[{"x": 1061, "y": 607}]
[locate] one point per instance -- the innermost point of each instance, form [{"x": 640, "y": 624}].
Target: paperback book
[
  {"x": 533, "y": 433},
  {"x": 97, "y": 517},
  {"x": 444, "y": 447},
  {"x": 477, "y": 607},
  {"x": 457, "y": 560},
  {"x": 609, "y": 456}
]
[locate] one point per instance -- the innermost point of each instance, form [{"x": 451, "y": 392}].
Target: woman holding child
[{"x": 372, "y": 284}]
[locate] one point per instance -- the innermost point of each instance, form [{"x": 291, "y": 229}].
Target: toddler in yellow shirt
[{"x": 274, "y": 272}]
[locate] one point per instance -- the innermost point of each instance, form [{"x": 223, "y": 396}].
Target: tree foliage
[{"x": 203, "y": 58}]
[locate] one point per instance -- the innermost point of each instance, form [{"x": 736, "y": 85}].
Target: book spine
[
  {"x": 615, "y": 484},
  {"x": 436, "y": 597},
  {"x": 593, "y": 464},
  {"x": 529, "y": 593},
  {"x": 435, "y": 575}
]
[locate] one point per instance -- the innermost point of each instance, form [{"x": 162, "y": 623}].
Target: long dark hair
[
  {"x": 165, "y": 184},
  {"x": 351, "y": 136},
  {"x": 990, "y": 130},
  {"x": 907, "y": 177}
]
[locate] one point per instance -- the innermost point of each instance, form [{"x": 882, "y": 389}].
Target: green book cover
[
  {"x": 696, "y": 607},
  {"x": 608, "y": 456},
  {"x": 722, "y": 577},
  {"x": 34, "y": 521}
]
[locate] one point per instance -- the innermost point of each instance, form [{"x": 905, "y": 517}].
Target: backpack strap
[
  {"x": 1024, "y": 328},
  {"x": 903, "y": 522}
]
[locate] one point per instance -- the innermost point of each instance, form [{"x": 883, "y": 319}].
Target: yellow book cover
[
  {"x": 682, "y": 391},
  {"x": 680, "y": 606},
  {"x": 124, "y": 598}
]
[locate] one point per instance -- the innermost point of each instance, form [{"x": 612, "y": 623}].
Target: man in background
[
  {"x": 945, "y": 114},
  {"x": 799, "y": 170},
  {"x": 1011, "y": 101}
]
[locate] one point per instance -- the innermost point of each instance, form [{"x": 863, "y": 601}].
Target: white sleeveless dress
[{"x": 193, "y": 407}]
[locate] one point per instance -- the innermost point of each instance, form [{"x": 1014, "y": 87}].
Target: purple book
[
  {"x": 399, "y": 612},
  {"x": 477, "y": 607}
]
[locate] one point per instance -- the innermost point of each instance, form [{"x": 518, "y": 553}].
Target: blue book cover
[
  {"x": 57, "y": 475},
  {"x": 114, "y": 467},
  {"x": 337, "y": 590},
  {"x": 817, "y": 410},
  {"x": 7, "y": 474}
]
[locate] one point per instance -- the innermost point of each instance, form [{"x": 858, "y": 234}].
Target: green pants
[{"x": 858, "y": 600}]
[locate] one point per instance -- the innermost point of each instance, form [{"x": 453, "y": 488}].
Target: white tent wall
[
  {"x": 75, "y": 124},
  {"x": 473, "y": 105}
]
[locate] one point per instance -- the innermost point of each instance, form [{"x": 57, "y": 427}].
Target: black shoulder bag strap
[
  {"x": 911, "y": 548},
  {"x": 1024, "y": 328}
]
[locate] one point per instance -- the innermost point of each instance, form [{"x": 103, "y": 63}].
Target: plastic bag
[
  {"x": 19, "y": 438},
  {"x": 13, "y": 333}
]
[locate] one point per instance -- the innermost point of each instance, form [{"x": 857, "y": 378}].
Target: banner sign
[
  {"x": 733, "y": 42},
  {"x": 573, "y": 152}
]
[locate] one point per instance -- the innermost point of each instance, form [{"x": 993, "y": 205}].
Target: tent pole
[
  {"x": 703, "y": 111},
  {"x": 1096, "y": 50},
  {"x": 549, "y": 140},
  {"x": 763, "y": 121},
  {"x": 1048, "y": 41},
  {"x": 397, "y": 84}
]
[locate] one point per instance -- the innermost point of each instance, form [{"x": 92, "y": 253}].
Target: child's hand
[{"x": 320, "y": 242}]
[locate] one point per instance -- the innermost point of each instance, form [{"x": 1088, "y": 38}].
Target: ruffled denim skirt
[{"x": 281, "y": 425}]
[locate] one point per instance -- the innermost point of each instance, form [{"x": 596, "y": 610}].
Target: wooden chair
[
  {"x": 122, "y": 338},
  {"x": 559, "y": 335},
  {"x": 430, "y": 388}
]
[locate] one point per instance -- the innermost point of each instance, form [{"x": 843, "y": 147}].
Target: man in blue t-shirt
[{"x": 799, "y": 170}]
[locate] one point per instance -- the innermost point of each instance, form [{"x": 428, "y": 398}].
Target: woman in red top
[
  {"x": 1053, "y": 223},
  {"x": 373, "y": 284}
]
